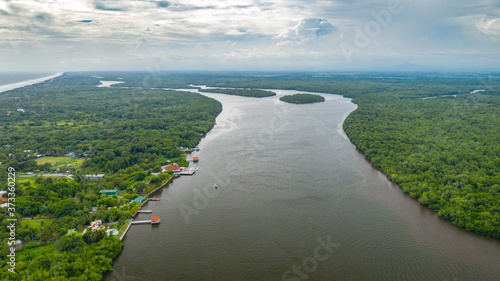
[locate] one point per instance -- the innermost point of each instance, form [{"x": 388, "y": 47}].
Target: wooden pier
[
  {"x": 188, "y": 172},
  {"x": 141, "y": 222}
]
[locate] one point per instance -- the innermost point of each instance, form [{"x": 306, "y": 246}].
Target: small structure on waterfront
[
  {"x": 174, "y": 167},
  {"x": 155, "y": 220},
  {"x": 139, "y": 199},
  {"x": 188, "y": 172},
  {"x": 108, "y": 192}
]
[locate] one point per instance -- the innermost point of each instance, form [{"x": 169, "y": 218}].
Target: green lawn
[
  {"x": 61, "y": 162},
  {"x": 51, "y": 160},
  {"x": 21, "y": 180},
  {"x": 35, "y": 222}
]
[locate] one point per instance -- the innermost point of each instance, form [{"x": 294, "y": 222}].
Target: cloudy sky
[{"x": 66, "y": 35}]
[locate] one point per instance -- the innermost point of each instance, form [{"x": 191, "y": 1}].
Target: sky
[{"x": 268, "y": 35}]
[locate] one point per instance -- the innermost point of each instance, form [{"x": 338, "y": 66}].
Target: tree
[
  {"x": 155, "y": 181},
  {"x": 93, "y": 236},
  {"x": 140, "y": 176}
]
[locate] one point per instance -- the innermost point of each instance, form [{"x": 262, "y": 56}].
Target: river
[{"x": 296, "y": 201}]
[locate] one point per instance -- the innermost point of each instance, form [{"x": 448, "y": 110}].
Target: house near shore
[
  {"x": 108, "y": 192},
  {"x": 174, "y": 167},
  {"x": 97, "y": 225}
]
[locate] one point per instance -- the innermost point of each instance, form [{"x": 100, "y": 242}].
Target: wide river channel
[{"x": 296, "y": 201}]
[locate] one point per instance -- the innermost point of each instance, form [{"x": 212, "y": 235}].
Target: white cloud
[
  {"x": 489, "y": 26},
  {"x": 176, "y": 33},
  {"x": 308, "y": 30}
]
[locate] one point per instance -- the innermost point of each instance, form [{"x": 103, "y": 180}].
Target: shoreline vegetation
[
  {"x": 240, "y": 92},
  {"x": 302, "y": 98}
]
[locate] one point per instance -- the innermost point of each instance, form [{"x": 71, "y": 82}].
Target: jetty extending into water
[
  {"x": 154, "y": 220},
  {"x": 140, "y": 222}
]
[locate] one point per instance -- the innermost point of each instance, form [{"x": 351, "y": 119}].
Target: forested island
[
  {"x": 241, "y": 92},
  {"x": 302, "y": 98}
]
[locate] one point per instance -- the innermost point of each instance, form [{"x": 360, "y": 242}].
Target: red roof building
[{"x": 172, "y": 167}]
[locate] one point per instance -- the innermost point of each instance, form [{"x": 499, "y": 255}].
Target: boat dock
[
  {"x": 145, "y": 211},
  {"x": 140, "y": 222},
  {"x": 188, "y": 172}
]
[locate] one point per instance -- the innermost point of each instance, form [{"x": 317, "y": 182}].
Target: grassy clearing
[
  {"x": 51, "y": 160},
  {"x": 21, "y": 181},
  {"x": 35, "y": 223},
  {"x": 60, "y": 162}
]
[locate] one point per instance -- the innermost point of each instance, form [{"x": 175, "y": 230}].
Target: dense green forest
[
  {"x": 441, "y": 150},
  {"x": 126, "y": 134},
  {"x": 302, "y": 98},
  {"x": 114, "y": 127},
  {"x": 241, "y": 92}
]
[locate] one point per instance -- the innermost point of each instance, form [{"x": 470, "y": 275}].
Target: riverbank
[{"x": 430, "y": 160}]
